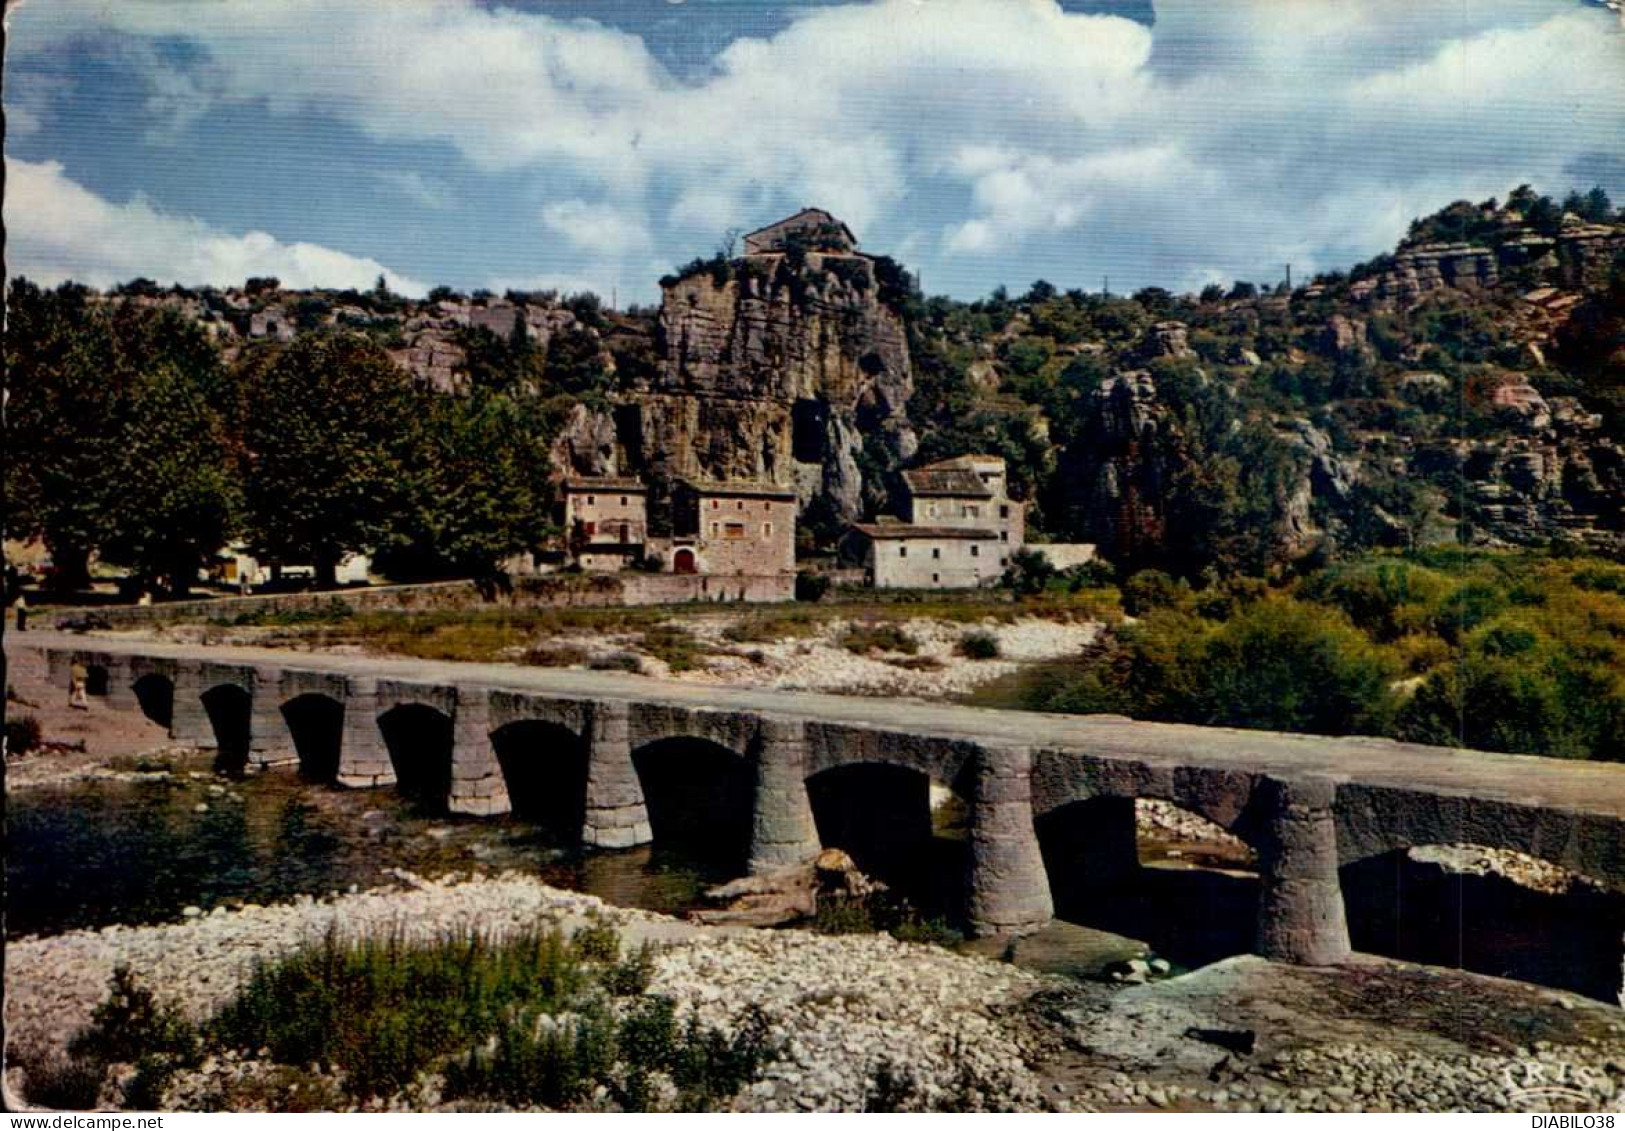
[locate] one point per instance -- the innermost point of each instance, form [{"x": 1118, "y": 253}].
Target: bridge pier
[
  {"x": 189, "y": 720},
  {"x": 1008, "y": 889},
  {"x": 269, "y": 741},
  {"x": 121, "y": 684},
  {"x": 782, "y": 829},
  {"x": 58, "y": 665},
  {"x": 616, "y": 815},
  {"x": 477, "y": 786},
  {"x": 363, "y": 760},
  {"x": 1300, "y": 906}
]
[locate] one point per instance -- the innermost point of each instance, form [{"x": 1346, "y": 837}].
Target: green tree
[
  {"x": 62, "y": 423},
  {"x": 73, "y": 363},
  {"x": 325, "y": 426},
  {"x": 182, "y": 498},
  {"x": 479, "y": 485}
]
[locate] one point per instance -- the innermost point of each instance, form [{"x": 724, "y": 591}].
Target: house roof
[
  {"x": 955, "y": 482},
  {"x": 604, "y": 483},
  {"x": 810, "y": 215},
  {"x": 739, "y": 487},
  {"x": 965, "y": 461},
  {"x": 907, "y": 531}
]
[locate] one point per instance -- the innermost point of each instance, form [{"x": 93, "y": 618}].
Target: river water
[{"x": 92, "y": 853}]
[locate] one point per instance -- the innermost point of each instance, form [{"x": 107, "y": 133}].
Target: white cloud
[
  {"x": 57, "y": 230},
  {"x": 598, "y": 228},
  {"x": 1234, "y": 135},
  {"x": 416, "y": 187}
]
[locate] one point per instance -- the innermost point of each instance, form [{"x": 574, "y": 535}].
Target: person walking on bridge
[{"x": 78, "y": 682}]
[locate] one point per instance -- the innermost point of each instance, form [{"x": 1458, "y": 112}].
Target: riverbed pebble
[{"x": 841, "y": 1005}]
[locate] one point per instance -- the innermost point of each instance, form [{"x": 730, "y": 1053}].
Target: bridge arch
[
  {"x": 418, "y": 738},
  {"x": 98, "y": 679},
  {"x": 698, "y": 794},
  {"x": 155, "y": 697},
  {"x": 315, "y": 722},
  {"x": 544, "y": 767},
  {"x": 229, "y": 708},
  {"x": 1155, "y": 872},
  {"x": 1490, "y": 911},
  {"x": 901, "y": 825}
]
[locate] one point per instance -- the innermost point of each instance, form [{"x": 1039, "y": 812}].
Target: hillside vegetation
[{"x": 1513, "y": 651}]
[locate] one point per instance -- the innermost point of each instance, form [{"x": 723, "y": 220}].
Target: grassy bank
[{"x": 483, "y": 633}]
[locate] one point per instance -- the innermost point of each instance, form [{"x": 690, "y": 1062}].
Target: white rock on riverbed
[{"x": 841, "y": 1004}]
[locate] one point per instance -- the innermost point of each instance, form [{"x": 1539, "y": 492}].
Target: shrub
[
  {"x": 1152, "y": 589},
  {"x": 616, "y": 662},
  {"x": 23, "y": 734},
  {"x": 129, "y": 1023},
  {"x": 631, "y": 975},
  {"x": 1283, "y": 665},
  {"x": 71, "y": 1083},
  {"x": 1028, "y": 573},
  {"x": 596, "y": 942},
  {"x": 979, "y": 644},
  {"x": 538, "y": 1058},
  {"x": 673, "y": 645},
  {"x": 382, "y": 1009},
  {"x": 892, "y": 1088},
  {"x": 811, "y": 586},
  {"x": 554, "y": 656},
  {"x": 885, "y": 636}
]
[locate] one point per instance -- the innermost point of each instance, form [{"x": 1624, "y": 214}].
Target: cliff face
[
  {"x": 1579, "y": 256},
  {"x": 774, "y": 371}
]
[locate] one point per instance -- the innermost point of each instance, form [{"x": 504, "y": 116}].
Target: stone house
[
  {"x": 816, "y": 229},
  {"x": 965, "y": 492},
  {"x": 733, "y": 528},
  {"x": 960, "y": 527},
  {"x": 902, "y": 555},
  {"x": 606, "y": 521}
]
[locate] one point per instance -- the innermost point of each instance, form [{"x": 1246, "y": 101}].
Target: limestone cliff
[{"x": 775, "y": 369}]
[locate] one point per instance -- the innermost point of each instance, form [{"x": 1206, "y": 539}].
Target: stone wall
[{"x": 937, "y": 563}]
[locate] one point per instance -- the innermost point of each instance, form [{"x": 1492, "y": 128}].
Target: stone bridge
[{"x": 1050, "y": 798}]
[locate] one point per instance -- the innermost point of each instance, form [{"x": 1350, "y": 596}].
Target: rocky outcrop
[
  {"x": 1121, "y": 468},
  {"x": 1580, "y": 255},
  {"x": 777, "y": 371}
]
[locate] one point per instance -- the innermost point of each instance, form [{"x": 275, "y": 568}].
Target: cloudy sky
[{"x": 595, "y": 143}]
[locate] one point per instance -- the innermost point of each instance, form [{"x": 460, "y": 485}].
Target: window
[
  {"x": 626, "y": 532},
  {"x": 741, "y": 504},
  {"x": 734, "y": 530},
  {"x": 936, "y": 577},
  {"x": 623, "y": 500},
  {"x": 975, "y": 550},
  {"x": 902, "y": 551},
  {"x": 590, "y": 528},
  {"x": 767, "y": 530},
  {"x": 714, "y": 504},
  {"x": 936, "y": 553},
  {"x": 592, "y": 499},
  {"x": 1003, "y": 560},
  {"x": 1004, "y": 510},
  {"x": 714, "y": 529},
  {"x": 973, "y": 512},
  {"x": 1004, "y": 536}
]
